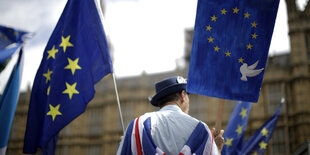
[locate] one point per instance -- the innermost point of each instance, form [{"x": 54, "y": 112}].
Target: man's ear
[{"x": 182, "y": 96}]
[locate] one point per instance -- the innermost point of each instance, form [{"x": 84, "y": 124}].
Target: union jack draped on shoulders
[{"x": 138, "y": 140}]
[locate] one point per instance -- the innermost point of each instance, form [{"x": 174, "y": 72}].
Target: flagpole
[
  {"x": 118, "y": 103},
  {"x": 100, "y": 12},
  {"x": 220, "y": 110}
]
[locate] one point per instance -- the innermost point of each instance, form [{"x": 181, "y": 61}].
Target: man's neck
[{"x": 171, "y": 103}]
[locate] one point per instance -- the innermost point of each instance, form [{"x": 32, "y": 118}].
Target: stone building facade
[{"x": 98, "y": 129}]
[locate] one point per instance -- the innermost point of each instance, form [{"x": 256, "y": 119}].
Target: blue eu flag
[
  {"x": 233, "y": 136},
  {"x": 230, "y": 48},
  {"x": 75, "y": 58},
  {"x": 257, "y": 143},
  {"x": 8, "y": 102},
  {"x": 10, "y": 41}
]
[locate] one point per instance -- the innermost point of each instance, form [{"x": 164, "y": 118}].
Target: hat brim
[{"x": 167, "y": 91}]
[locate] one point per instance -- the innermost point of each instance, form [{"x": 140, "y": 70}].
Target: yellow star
[
  {"x": 265, "y": 132},
  {"x": 243, "y": 111},
  {"x": 65, "y": 43},
  {"x": 54, "y": 111},
  {"x": 0, "y": 35},
  {"x": 239, "y": 130},
  {"x": 6, "y": 38},
  {"x": 213, "y": 18},
  {"x": 228, "y": 141},
  {"x": 15, "y": 33},
  {"x": 216, "y": 48},
  {"x": 48, "y": 75},
  {"x": 240, "y": 60},
  {"x": 254, "y": 24},
  {"x": 254, "y": 153},
  {"x": 223, "y": 12},
  {"x": 262, "y": 145},
  {"x": 246, "y": 15},
  {"x": 208, "y": 28},
  {"x": 254, "y": 36},
  {"x": 48, "y": 90},
  {"x": 70, "y": 90},
  {"x": 227, "y": 54},
  {"x": 52, "y": 52},
  {"x": 73, "y": 65},
  {"x": 249, "y": 46},
  {"x": 236, "y": 10},
  {"x": 210, "y": 39}
]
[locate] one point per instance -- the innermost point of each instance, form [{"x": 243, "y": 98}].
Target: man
[{"x": 170, "y": 131}]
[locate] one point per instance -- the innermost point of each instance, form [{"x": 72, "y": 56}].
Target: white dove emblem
[{"x": 248, "y": 71}]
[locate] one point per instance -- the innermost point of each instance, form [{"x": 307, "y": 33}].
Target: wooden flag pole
[{"x": 219, "y": 118}]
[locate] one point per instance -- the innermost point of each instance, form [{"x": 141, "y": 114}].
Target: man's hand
[{"x": 218, "y": 138}]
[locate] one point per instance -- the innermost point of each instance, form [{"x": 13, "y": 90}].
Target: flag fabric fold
[
  {"x": 230, "y": 48},
  {"x": 233, "y": 136},
  {"x": 8, "y": 102},
  {"x": 75, "y": 58},
  {"x": 257, "y": 143}
]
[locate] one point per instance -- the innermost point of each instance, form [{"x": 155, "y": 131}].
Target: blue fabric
[
  {"x": 148, "y": 144},
  {"x": 253, "y": 143},
  {"x": 126, "y": 149},
  {"x": 237, "y": 121},
  {"x": 7, "y": 53},
  {"x": 220, "y": 41},
  {"x": 198, "y": 139},
  {"x": 75, "y": 58},
  {"x": 8, "y": 101},
  {"x": 49, "y": 147},
  {"x": 8, "y": 36}
]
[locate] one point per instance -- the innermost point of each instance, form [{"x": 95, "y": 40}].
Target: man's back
[{"x": 171, "y": 128}]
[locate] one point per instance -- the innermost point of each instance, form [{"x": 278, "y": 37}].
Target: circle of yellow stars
[
  {"x": 72, "y": 65},
  {"x": 224, "y": 12}
]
